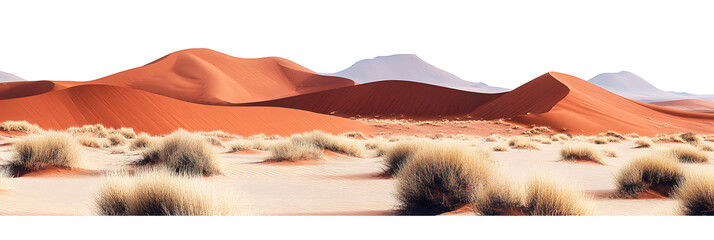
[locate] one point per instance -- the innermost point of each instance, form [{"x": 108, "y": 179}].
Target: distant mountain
[
  {"x": 8, "y": 77},
  {"x": 631, "y": 86},
  {"x": 409, "y": 67}
]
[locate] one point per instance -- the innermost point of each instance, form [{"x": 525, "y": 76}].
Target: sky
[{"x": 501, "y": 43}]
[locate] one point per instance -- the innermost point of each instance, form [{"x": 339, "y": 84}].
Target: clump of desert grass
[
  {"x": 93, "y": 142},
  {"x": 605, "y": 140},
  {"x": 536, "y": 130},
  {"x": 22, "y": 126},
  {"x": 644, "y": 142},
  {"x": 213, "y": 140},
  {"x": 559, "y": 137},
  {"x": 127, "y": 133},
  {"x": 119, "y": 149},
  {"x": 655, "y": 170},
  {"x": 695, "y": 195},
  {"x": 520, "y": 142},
  {"x": 217, "y": 133},
  {"x": 260, "y": 136},
  {"x": 441, "y": 178},
  {"x": 584, "y": 152},
  {"x": 547, "y": 197},
  {"x": 116, "y": 139},
  {"x": 162, "y": 192},
  {"x": 339, "y": 144},
  {"x": 183, "y": 152},
  {"x": 541, "y": 139},
  {"x": 499, "y": 198},
  {"x": 493, "y": 138},
  {"x": 141, "y": 141},
  {"x": 609, "y": 152},
  {"x": 690, "y": 138},
  {"x": 612, "y": 134},
  {"x": 96, "y": 130},
  {"x": 354, "y": 134},
  {"x": 294, "y": 151},
  {"x": 397, "y": 154},
  {"x": 632, "y": 135},
  {"x": 45, "y": 150},
  {"x": 706, "y": 148},
  {"x": 500, "y": 148},
  {"x": 241, "y": 145},
  {"x": 689, "y": 154}
]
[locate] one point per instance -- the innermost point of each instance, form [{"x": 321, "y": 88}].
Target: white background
[{"x": 502, "y": 43}]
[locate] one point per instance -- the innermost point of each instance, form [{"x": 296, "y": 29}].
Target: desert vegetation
[
  {"x": 294, "y": 150},
  {"x": 183, "y": 152},
  {"x": 519, "y": 142},
  {"x": 643, "y": 142},
  {"x": 161, "y": 192},
  {"x": 584, "y": 152},
  {"x": 330, "y": 142},
  {"x": 657, "y": 171},
  {"x": 545, "y": 196},
  {"x": 398, "y": 153},
  {"x": 696, "y": 195},
  {"x": 22, "y": 126},
  {"x": 689, "y": 154},
  {"x": 48, "y": 149}
]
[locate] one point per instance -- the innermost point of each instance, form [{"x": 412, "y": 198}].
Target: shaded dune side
[
  {"x": 25, "y": 88},
  {"x": 589, "y": 109},
  {"x": 539, "y": 95},
  {"x": 124, "y": 107},
  {"x": 387, "y": 99},
  {"x": 210, "y": 77}
]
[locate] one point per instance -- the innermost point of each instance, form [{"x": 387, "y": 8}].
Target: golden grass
[
  {"x": 48, "y": 149},
  {"x": 520, "y": 142},
  {"x": 559, "y": 137},
  {"x": 689, "y": 154},
  {"x": 440, "y": 178},
  {"x": 127, "y": 133},
  {"x": 116, "y": 139},
  {"x": 294, "y": 150},
  {"x": 161, "y": 192},
  {"x": 184, "y": 152},
  {"x": 396, "y": 155},
  {"x": 23, "y": 126},
  {"x": 612, "y": 134},
  {"x": 574, "y": 152},
  {"x": 541, "y": 139},
  {"x": 96, "y": 130},
  {"x": 339, "y": 144},
  {"x": 632, "y": 135},
  {"x": 651, "y": 169},
  {"x": 213, "y": 140},
  {"x": 142, "y": 141},
  {"x": 536, "y": 130},
  {"x": 354, "y": 134},
  {"x": 493, "y": 138},
  {"x": 690, "y": 138},
  {"x": 695, "y": 195},
  {"x": 119, "y": 149},
  {"x": 500, "y": 148},
  {"x": 706, "y": 148},
  {"x": 93, "y": 142},
  {"x": 600, "y": 140},
  {"x": 644, "y": 142},
  {"x": 217, "y": 133},
  {"x": 240, "y": 145},
  {"x": 545, "y": 196},
  {"x": 609, "y": 152},
  {"x": 498, "y": 198}
]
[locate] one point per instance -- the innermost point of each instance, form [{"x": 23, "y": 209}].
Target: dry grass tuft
[
  {"x": 441, "y": 178},
  {"x": 493, "y": 138},
  {"x": 22, "y": 126},
  {"x": 240, "y": 145},
  {"x": 142, "y": 141},
  {"x": 706, "y": 148},
  {"x": 519, "y": 142},
  {"x": 600, "y": 140},
  {"x": 217, "y": 133},
  {"x": 559, "y": 137},
  {"x": 96, "y": 130},
  {"x": 213, "y": 140},
  {"x": 396, "y": 155},
  {"x": 574, "y": 152},
  {"x": 161, "y": 192},
  {"x": 498, "y": 198},
  {"x": 654, "y": 169},
  {"x": 689, "y": 154},
  {"x": 330, "y": 142},
  {"x": 184, "y": 152},
  {"x": 609, "y": 152},
  {"x": 116, "y": 139},
  {"x": 536, "y": 130},
  {"x": 93, "y": 142},
  {"x": 690, "y": 138},
  {"x": 48, "y": 149},
  {"x": 696, "y": 195},
  {"x": 127, "y": 133},
  {"x": 500, "y": 148},
  {"x": 354, "y": 134},
  {"x": 644, "y": 142},
  {"x": 294, "y": 150},
  {"x": 545, "y": 196}
]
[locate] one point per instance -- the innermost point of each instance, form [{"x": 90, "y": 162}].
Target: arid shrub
[
  {"x": 536, "y": 130},
  {"x": 218, "y": 134},
  {"x": 541, "y": 139},
  {"x": 240, "y": 145},
  {"x": 612, "y": 134},
  {"x": 574, "y": 152},
  {"x": 706, "y": 148},
  {"x": 696, "y": 195},
  {"x": 656, "y": 170},
  {"x": 330, "y": 142},
  {"x": 294, "y": 150},
  {"x": 545, "y": 196},
  {"x": 260, "y": 136},
  {"x": 689, "y": 154},
  {"x": 690, "y": 138},
  {"x": 519, "y": 142},
  {"x": 212, "y": 140},
  {"x": 500, "y": 148},
  {"x": 493, "y": 138},
  {"x": 559, "y": 137},
  {"x": 354, "y": 134},
  {"x": 441, "y": 178},
  {"x": 23, "y": 126},
  {"x": 116, "y": 139},
  {"x": 396, "y": 155},
  {"x": 632, "y": 135},
  {"x": 142, "y": 141},
  {"x": 644, "y": 142},
  {"x": 497, "y": 198},
  {"x": 601, "y": 140},
  {"x": 48, "y": 149},
  {"x": 161, "y": 192},
  {"x": 93, "y": 142},
  {"x": 184, "y": 152},
  {"x": 96, "y": 130},
  {"x": 609, "y": 152},
  {"x": 127, "y": 133}
]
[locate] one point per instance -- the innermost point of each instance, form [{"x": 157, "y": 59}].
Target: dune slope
[
  {"x": 124, "y": 107},
  {"x": 694, "y": 105},
  {"x": 388, "y": 99}
]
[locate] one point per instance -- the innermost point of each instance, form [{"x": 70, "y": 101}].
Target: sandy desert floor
[{"x": 335, "y": 185}]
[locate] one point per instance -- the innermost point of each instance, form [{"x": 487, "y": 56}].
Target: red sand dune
[
  {"x": 583, "y": 107},
  {"x": 389, "y": 99},
  {"x": 25, "y": 88},
  {"x": 208, "y": 77},
  {"x": 694, "y": 105},
  {"x": 124, "y": 107}
]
